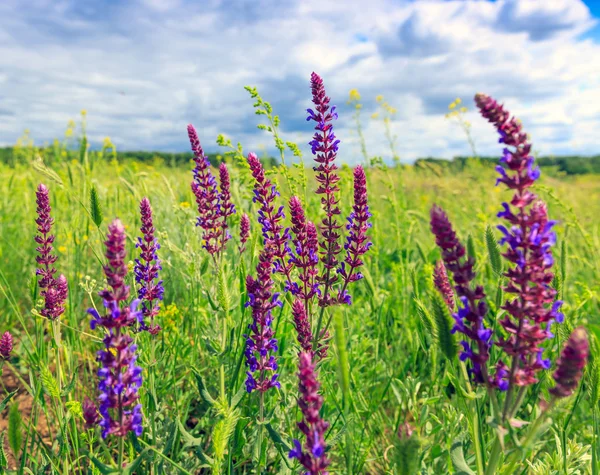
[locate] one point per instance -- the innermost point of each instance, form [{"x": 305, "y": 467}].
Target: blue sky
[{"x": 143, "y": 69}]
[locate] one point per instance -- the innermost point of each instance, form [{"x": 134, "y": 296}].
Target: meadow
[{"x": 394, "y": 392}]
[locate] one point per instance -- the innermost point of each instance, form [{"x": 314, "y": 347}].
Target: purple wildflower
[
  {"x": 146, "y": 270},
  {"x": 120, "y": 378},
  {"x": 529, "y": 238},
  {"x": 325, "y": 146},
  {"x": 91, "y": 416},
  {"x": 569, "y": 367},
  {"x": 442, "y": 283},
  {"x": 6, "y": 345},
  {"x": 260, "y": 343},
  {"x": 54, "y": 291},
  {"x": 276, "y": 236},
  {"x": 304, "y": 257},
  {"x": 204, "y": 187},
  {"x": 302, "y": 325},
  {"x": 357, "y": 242},
  {"x": 226, "y": 207},
  {"x": 469, "y": 320},
  {"x": 244, "y": 232},
  {"x": 312, "y": 456}
]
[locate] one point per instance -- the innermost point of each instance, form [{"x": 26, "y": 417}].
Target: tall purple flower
[
  {"x": 226, "y": 206},
  {"x": 276, "y": 237},
  {"x": 53, "y": 290},
  {"x": 325, "y": 146},
  {"x": 91, "y": 416},
  {"x": 357, "y": 242},
  {"x": 302, "y": 325},
  {"x": 569, "y": 367},
  {"x": 469, "y": 320},
  {"x": 205, "y": 190},
  {"x": 442, "y": 283},
  {"x": 532, "y": 308},
  {"x": 6, "y": 345},
  {"x": 119, "y": 377},
  {"x": 260, "y": 343},
  {"x": 304, "y": 257},
  {"x": 146, "y": 270},
  {"x": 312, "y": 455},
  {"x": 244, "y": 232}
]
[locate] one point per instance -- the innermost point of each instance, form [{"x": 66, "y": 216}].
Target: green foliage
[
  {"x": 15, "y": 429},
  {"x": 493, "y": 251},
  {"x": 95, "y": 208},
  {"x": 407, "y": 456},
  {"x": 443, "y": 322}
]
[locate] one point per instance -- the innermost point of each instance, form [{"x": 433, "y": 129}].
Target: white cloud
[{"x": 144, "y": 70}]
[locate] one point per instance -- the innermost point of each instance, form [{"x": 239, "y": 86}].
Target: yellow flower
[
  {"x": 458, "y": 100},
  {"x": 184, "y": 204},
  {"x": 354, "y": 95},
  {"x": 62, "y": 249},
  {"x": 463, "y": 110},
  {"x": 379, "y": 98},
  {"x": 452, "y": 105},
  {"x": 375, "y": 115},
  {"x": 83, "y": 112}
]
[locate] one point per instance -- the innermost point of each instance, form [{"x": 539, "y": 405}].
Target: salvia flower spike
[
  {"x": 470, "y": 317},
  {"x": 6, "y": 345},
  {"x": 442, "y": 284},
  {"x": 244, "y": 232},
  {"x": 207, "y": 196},
  {"x": 119, "y": 377},
  {"x": 260, "y": 342},
  {"x": 226, "y": 206},
  {"x": 54, "y": 291},
  {"x": 569, "y": 367},
  {"x": 357, "y": 243},
  {"x": 312, "y": 454},
  {"x": 146, "y": 270},
  {"x": 324, "y": 147},
  {"x": 532, "y": 308}
]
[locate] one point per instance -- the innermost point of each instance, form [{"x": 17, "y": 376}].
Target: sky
[{"x": 144, "y": 69}]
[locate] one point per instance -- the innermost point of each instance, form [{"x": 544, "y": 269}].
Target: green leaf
[
  {"x": 276, "y": 437},
  {"x": 471, "y": 248},
  {"x": 223, "y": 295},
  {"x": 443, "y": 319},
  {"x": 458, "y": 459},
  {"x": 202, "y": 388},
  {"x": 15, "y": 432},
  {"x": 95, "y": 208},
  {"x": 6, "y": 400},
  {"x": 3, "y": 458},
  {"x": 493, "y": 250},
  {"x": 49, "y": 383}
]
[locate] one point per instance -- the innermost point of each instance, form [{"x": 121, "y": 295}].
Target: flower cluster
[
  {"x": 442, "y": 283},
  {"x": 532, "y": 308},
  {"x": 325, "y": 147},
  {"x": 357, "y": 242},
  {"x": 120, "y": 378},
  {"x": 244, "y": 232},
  {"x": 260, "y": 343},
  {"x": 146, "y": 270},
  {"x": 214, "y": 207},
  {"x": 6, "y": 345},
  {"x": 305, "y": 257},
  {"x": 312, "y": 455},
  {"x": 470, "y": 318},
  {"x": 569, "y": 367},
  {"x": 53, "y": 290}
]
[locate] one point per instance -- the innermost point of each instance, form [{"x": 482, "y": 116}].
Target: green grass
[{"x": 384, "y": 367}]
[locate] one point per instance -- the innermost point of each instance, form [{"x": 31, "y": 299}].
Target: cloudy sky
[{"x": 143, "y": 69}]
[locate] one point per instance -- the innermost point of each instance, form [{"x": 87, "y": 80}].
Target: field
[{"x": 394, "y": 401}]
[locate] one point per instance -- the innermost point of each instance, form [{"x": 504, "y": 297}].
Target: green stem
[{"x": 474, "y": 423}]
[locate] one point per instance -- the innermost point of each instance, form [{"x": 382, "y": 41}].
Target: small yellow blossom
[
  {"x": 83, "y": 112},
  {"x": 184, "y": 204},
  {"x": 458, "y": 100},
  {"x": 62, "y": 249},
  {"x": 452, "y": 105},
  {"x": 375, "y": 115},
  {"x": 354, "y": 95},
  {"x": 463, "y": 110},
  {"x": 379, "y": 98}
]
